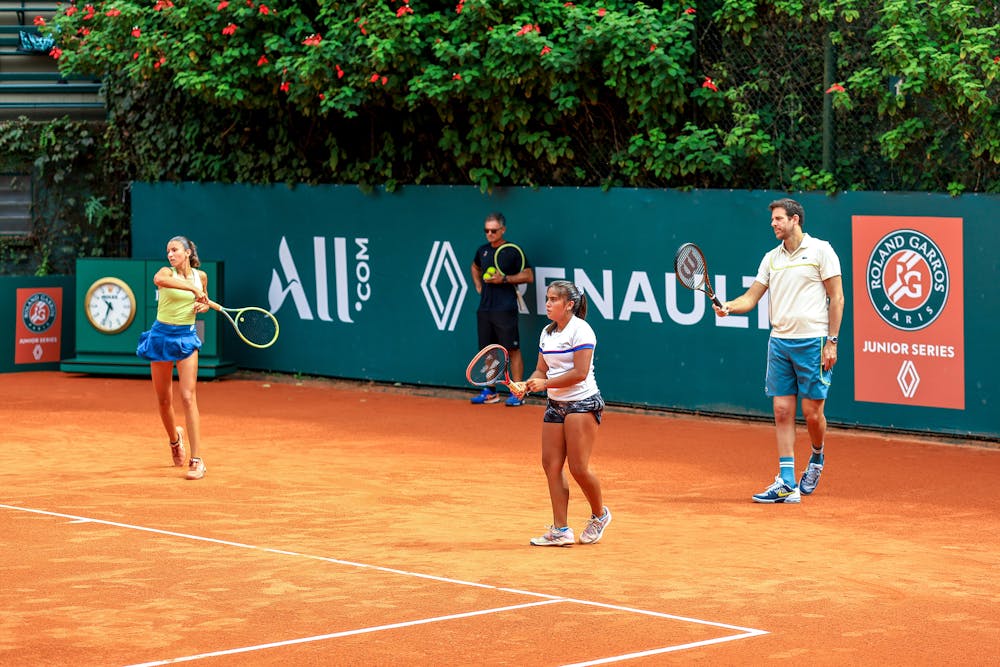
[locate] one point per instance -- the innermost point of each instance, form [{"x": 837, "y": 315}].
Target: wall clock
[{"x": 110, "y": 305}]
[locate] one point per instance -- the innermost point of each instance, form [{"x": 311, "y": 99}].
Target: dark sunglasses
[{"x": 492, "y": 231}]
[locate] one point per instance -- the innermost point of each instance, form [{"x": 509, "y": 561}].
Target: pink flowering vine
[
  {"x": 72, "y": 9},
  {"x": 113, "y": 12},
  {"x": 313, "y": 40},
  {"x": 56, "y": 52}
]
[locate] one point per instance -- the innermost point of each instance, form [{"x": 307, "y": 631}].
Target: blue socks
[
  {"x": 817, "y": 455},
  {"x": 786, "y": 465}
]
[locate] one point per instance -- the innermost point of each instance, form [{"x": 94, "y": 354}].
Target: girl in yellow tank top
[{"x": 182, "y": 291}]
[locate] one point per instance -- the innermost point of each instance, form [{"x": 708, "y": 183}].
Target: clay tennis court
[{"x": 347, "y": 524}]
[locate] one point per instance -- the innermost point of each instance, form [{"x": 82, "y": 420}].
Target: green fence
[{"x": 376, "y": 286}]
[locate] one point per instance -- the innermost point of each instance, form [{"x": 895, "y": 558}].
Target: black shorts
[
  {"x": 498, "y": 327},
  {"x": 556, "y": 411}
]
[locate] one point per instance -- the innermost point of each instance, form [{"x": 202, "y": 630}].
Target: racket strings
[
  {"x": 692, "y": 270},
  {"x": 257, "y": 326},
  {"x": 489, "y": 368},
  {"x": 509, "y": 260}
]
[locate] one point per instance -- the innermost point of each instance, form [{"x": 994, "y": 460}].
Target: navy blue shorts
[{"x": 168, "y": 342}]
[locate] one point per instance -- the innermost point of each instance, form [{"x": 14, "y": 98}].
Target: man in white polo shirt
[{"x": 806, "y": 308}]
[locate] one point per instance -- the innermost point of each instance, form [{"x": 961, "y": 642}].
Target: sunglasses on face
[{"x": 492, "y": 231}]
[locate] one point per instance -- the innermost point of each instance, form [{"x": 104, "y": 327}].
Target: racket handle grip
[{"x": 719, "y": 304}]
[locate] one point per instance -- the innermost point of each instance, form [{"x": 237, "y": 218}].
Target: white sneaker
[
  {"x": 555, "y": 537},
  {"x": 594, "y": 530},
  {"x": 196, "y": 469}
]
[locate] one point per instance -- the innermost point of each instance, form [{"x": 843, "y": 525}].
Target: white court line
[
  {"x": 345, "y": 633},
  {"x": 548, "y": 599}
]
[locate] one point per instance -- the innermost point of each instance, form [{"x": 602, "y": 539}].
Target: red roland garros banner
[
  {"x": 37, "y": 327},
  {"x": 908, "y": 311}
]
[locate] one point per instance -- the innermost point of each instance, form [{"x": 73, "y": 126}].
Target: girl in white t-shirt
[{"x": 565, "y": 371}]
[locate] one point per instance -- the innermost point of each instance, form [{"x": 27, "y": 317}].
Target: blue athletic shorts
[
  {"x": 795, "y": 368},
  {"x": 556, "y": 411}
]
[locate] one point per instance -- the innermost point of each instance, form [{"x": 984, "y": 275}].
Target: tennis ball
[{"x": 490, "y": 272}]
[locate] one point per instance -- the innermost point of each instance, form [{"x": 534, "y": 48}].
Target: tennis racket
[
  {"x": 255, "y": 326},
  {"x": 508, "y": 260},
  {"x": 692, "y": 271},
  {"x": 491, "y": 366}
]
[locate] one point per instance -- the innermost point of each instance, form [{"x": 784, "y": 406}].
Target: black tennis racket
[
  {"x": 691, "y": 270},
  {"x": 491, "y": 366},
  {"x": 255, "y": 326}
]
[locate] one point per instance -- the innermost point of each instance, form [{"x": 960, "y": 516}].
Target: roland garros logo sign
[{"x": 907, "y": 278}]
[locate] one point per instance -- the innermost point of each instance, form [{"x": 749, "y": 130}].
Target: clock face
[{"x": 110, "y": 305}]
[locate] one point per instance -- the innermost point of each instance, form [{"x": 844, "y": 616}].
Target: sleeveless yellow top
[{"x": 176, "y": 306}]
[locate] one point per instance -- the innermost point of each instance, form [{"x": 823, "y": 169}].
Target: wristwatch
[{"x": 832, "y": 339}]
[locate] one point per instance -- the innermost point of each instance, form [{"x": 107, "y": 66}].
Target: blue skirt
[{"x": 168, "y": 342}]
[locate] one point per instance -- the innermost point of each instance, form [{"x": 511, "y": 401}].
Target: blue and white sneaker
[
  {"x": 555, "y": 537},
  {"x": 594, "y": 529},
  {"x": 485, "y": 396},
  {"x": 779, "y": 492},
  {"x": 514, "y": 402},
  {"x": 810, "y": 478}
]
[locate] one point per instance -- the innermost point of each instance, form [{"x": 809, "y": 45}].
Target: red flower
[
  {"x": 136, "y": 32},
  {"x": 222, "y": 5},
  {"x": 340, "y": 72},
  {"x": 113, "y": 13},
  {"x": 997, "y": 59},
  {"x": 652, "y": 47},
  {"x": 159, "y": 62},
  {"x": 456, "y": 77},
  {"x": 83, "y": 31},
  {"x": 313, "y": 40},
  {"x": 374, "y": 77},
  {"x": 39, "y": 21},
  {"x": 459, "y": 6},
  {"x": 321, "y": 96},
  {"x": 261, "y": 61},
  {"x": 602, "y": 11},
  {"x": 264, "y": 10},
  {"x": 385, "y": 80},
  {"x": 56, "y": 52},
  {"x": 689, "y": 10},
  {"x": 835, "y": 88},
  {"x": 162, "y": 4},
  {"x": 284, "y": 86},
  {"x": 72, "y": 9},
  {"x": 135, "y": 56},
  {"x": 568, "y": 4},
  {"x": 229, "y": 29},
  {"x": 708, "y": 83},
  {"x": 546, "y": 49},
  {"x": 89, "y": 9},
  {"x": 402, "y": 11}
]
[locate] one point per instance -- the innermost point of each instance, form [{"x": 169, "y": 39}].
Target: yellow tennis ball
[{"x": 490, "y": 272}]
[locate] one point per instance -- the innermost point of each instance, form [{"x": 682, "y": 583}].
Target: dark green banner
[{"x": 377, "y": 286}]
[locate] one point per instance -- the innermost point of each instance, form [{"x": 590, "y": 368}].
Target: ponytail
[{"x": 189, "y": 245}]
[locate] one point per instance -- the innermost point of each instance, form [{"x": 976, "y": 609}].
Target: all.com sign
[{"x": 443, "y": 285}]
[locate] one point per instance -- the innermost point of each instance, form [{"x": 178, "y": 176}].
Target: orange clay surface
[{"x": 351, "y": 524}]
